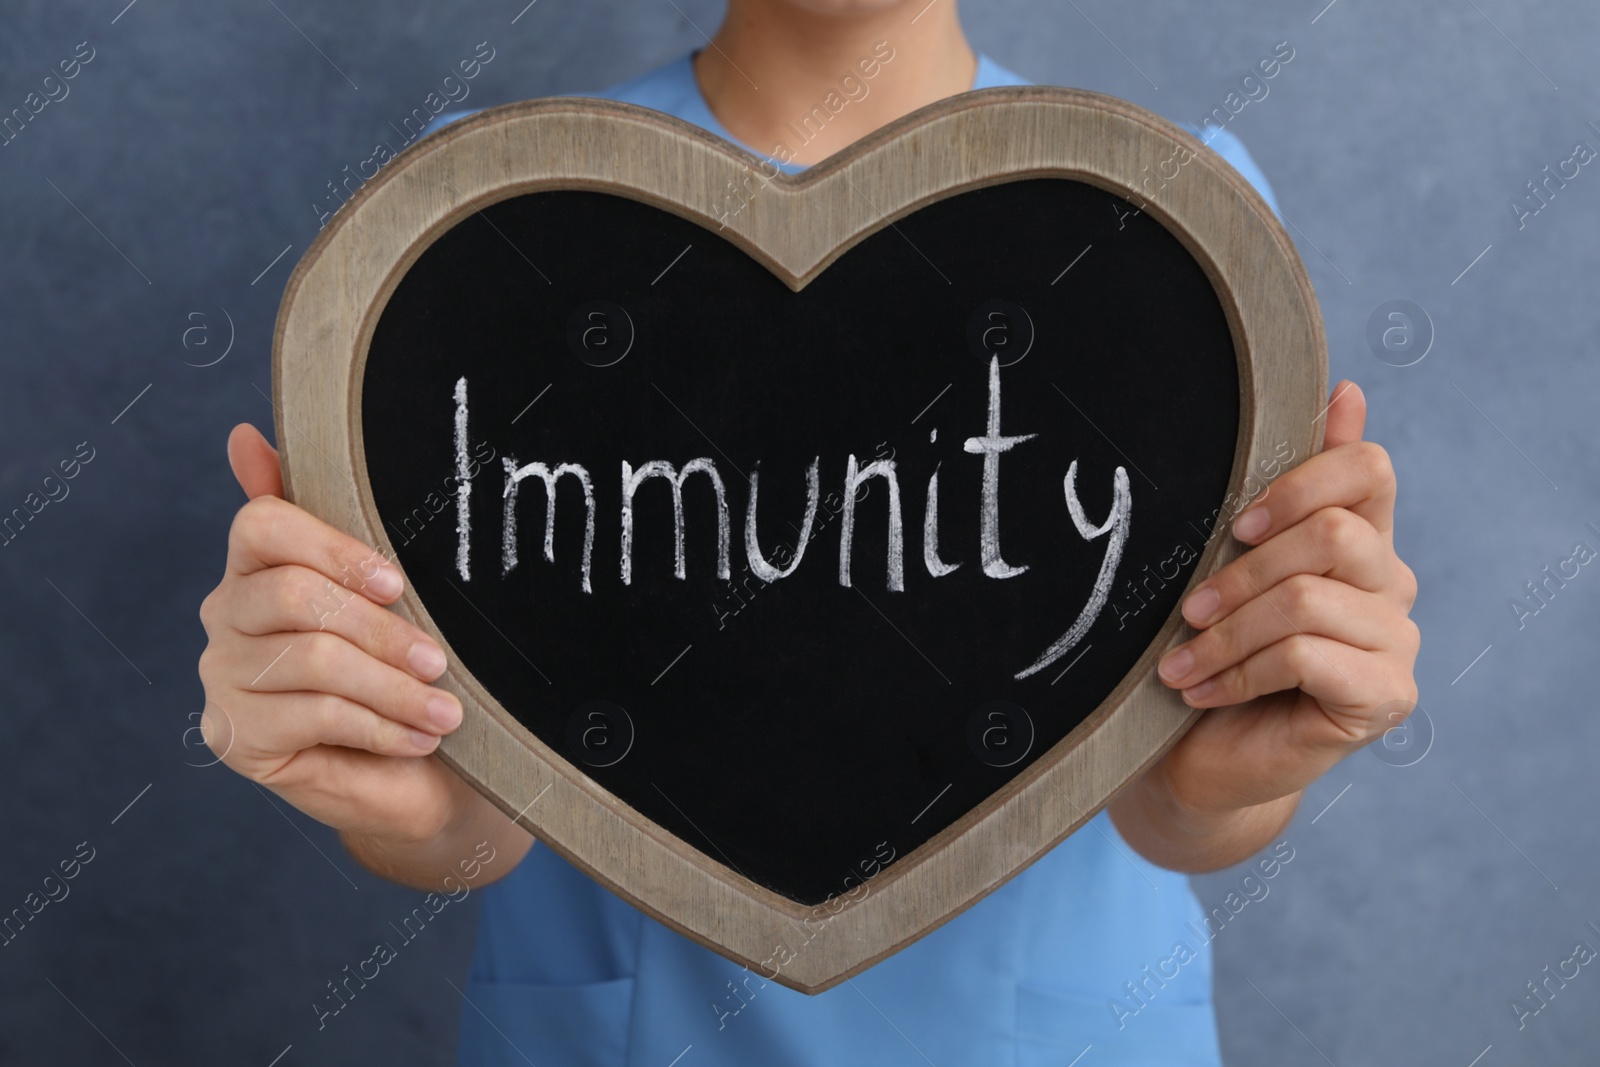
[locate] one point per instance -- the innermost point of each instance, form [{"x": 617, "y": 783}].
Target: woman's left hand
[{"x": 1306, "y": 647}]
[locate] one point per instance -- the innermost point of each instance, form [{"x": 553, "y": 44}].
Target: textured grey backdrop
[{"x": 153, "y": 199}]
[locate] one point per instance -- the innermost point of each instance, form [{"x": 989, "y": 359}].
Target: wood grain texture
[{"x": 796, "y": 226}]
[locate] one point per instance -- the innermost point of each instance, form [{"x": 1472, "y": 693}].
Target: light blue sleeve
[
  {"x": 1227, "y": 145},
  {"x": 445, "y": 119}
]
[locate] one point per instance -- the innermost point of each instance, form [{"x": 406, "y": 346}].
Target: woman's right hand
[{"x": 313, "y": 689}]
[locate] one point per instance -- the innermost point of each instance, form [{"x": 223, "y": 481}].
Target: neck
[{"x": 800, "y": 84}]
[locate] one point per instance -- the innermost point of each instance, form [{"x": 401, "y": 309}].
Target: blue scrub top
[{"x": 1089, "y": 952}]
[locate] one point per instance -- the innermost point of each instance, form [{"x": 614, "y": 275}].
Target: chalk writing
[{"x": 990, "y": 446}]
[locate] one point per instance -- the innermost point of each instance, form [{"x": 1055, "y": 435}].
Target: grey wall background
[{"x": 186, "y": 158}]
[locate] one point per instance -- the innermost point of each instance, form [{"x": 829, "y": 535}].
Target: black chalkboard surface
[
  {"x": 802, "y": 546},
  {"x": 790, "y": 717}
]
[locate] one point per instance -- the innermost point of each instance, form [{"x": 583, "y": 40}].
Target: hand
[
  {"x": 312, "y": 688},
  {"x": 1306, "y": 649},
  {"x": 1305, "y": 654}
]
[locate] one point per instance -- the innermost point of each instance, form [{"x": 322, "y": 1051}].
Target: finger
[
  {"x": 254, "y": 462},
  {"x": 292, "y": 598},
  {"x": 1331, "y": 672},
  {"x": 270, "y": 532},
  {"x": 1357, "y": 475},
  {"x": 324, "y": 663},
  {"x": 1347, "y": 415},
  {"x": 1335, "y": 543},
  {"x": 271, "y": 726},
  {"x": 1302, "y": 604}
]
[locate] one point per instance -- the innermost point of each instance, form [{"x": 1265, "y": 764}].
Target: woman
[{"x": 1303, "y": 643}]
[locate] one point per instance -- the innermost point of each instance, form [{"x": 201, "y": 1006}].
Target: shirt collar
[{"x": 695, "y": 109}]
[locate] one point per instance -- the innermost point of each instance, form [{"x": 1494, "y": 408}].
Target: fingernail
[
  {"x": 1252, "y": 524},
  {"x": 444, "y": 713},
  {"x": 426, "y": 660},
  {"x": 387, "y": 582},
  {"x": 1199, "y": 608},
  {"x": 422, "y": 740},
  {"x": 1177, "y": 665},
  {"x": 1201, "y": 691}
]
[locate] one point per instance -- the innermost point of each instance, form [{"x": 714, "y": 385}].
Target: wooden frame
[{"x": 796, "y": 226}]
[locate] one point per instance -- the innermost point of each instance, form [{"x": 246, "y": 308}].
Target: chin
[{"x": 846, "y": 7}]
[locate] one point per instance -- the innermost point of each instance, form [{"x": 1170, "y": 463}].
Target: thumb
[
  {"x": 1347, "y": 415},
  {"x": 254, "y": 462}
]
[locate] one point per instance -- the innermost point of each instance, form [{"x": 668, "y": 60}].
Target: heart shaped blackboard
[
  {"x": 789, "y": 700},
  {"x": 816, "y": 552}
]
